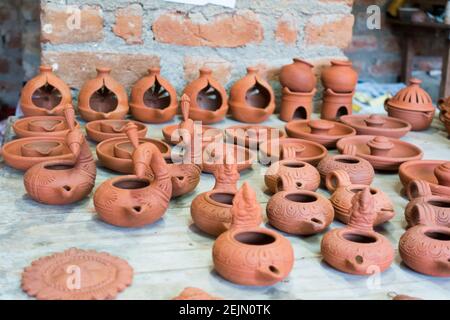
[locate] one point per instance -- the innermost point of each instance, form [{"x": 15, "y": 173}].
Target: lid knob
[
  {"x": 321, "y": 127},
  {"x": 375, "y": 121},
  {"x": 380, "y": 146}
]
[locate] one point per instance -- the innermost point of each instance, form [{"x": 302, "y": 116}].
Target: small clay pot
[
  {"x": 45, "y": 95},
  {"x": 102, "y": 98},
  {"x": 340, "y": 77},
  {"x": 153, "y": 99},
  {"x": 215, "y": 154},
  {"x": 41, "y": 126},
  {"x": 191, "y": 293},
  {"x": 298, "y": 76},
  {"x": 342, "y": 198},
  {"x": 377, "y": 125},
  {"x": 357, "y": 248},
  {"x": 251, "y": 98},
  {"x": 251, "y": 136},
  {"x": 296, "y": 105},
  {"x": 335, "y": 105},
  {"x": 100, "y": 130}
]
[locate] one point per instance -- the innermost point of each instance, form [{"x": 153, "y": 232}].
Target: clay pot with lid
[
  {"x": 377, "y": 125},
  {"x": 209, "y": 100},
  {"x": 340, "y": 77},
  {"x": 102, "y": 98},
  {"x": 298, "y": 76},
  {"x": 247, "y": 254},
  {"x": 344, "y": 192},
  {"x": 40, "y": 126},
  {"x": 251, "y": 98},
  {"x": 153, "y": 98},
  {"x": 45, "y": 94},
  {"x": 357, "y": 248}
]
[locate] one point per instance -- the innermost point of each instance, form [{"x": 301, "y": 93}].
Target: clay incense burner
[
  {"x": 377, "y": 125},
  {"x": 191, "y": 293},
  {"x": 45, "y": 95},
  {"x": 357, "y": 248},
  {"x": 251, "y": 98},
  {"x": 209, "y": 100},
  {"x": 61, "y": 182},
  {"x": 344, "y": 192},
  {"x": 102, "y": 98},
  {"x": 140, "y": 199},
  {"x": 297, "y": 211},
  {"x": 327, "y": 133},
  {"x": 100, "y": 130},
  {"x": 340, "y": 77},
  {"x": 42, "y": 126},
  {"x": 247, "y": 254},
  {"x": 251, "y": 136},
  {"x": 153, "y": 98},
  {"x": 216, "y": 154},
  {"x": 425, "y": 247},
  {"x": 298, "y": 76},
  {"x": 296, "y": 105}
]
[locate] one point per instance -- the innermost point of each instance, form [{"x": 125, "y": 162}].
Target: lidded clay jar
[
  {"x": 45, "y": 94},
  {"x": 153, "y": 98},
  {"x": 102, "y": 98},
  {"x": 251, "y": 98},
  {"x": 298, "y": 76},
  {"x": 340, "y": 77}
]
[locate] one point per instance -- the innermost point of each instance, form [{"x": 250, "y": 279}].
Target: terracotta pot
[
  {"x": 101, "y": 130},
  {"x": 296, "y": 105},
  {"x": 340, "y": 77},
  {"x": 215, "y": 154},
  {"x": 342, "y": 198},
  {"x": 335, "y": 105},
  {"x": 247, "y": 254},
  {"x": 377, "y": 125},
  {"x": 191, "y": 293},
  {"x": 357, "y": 249},
  {"x": 41, "y": 126},
  {"x": 209, "y": 100},
  {"x": 153, "y": 99},
  {"x": 45, "y": 95},
  {"x": 425, "y": 248},
  {"x": 61, "y": 182},
  {"x": 298, "y": 76},
  {"x": 102, "y": 98},
  {"x": 251, "y": 136},
  {"x": 251, "y": 98}
]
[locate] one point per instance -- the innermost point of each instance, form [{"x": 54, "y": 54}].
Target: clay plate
[
  {"x": 377, "y": 125},
  {"x": 244, "y": 157},
  {"x": 209, "y": 133},
  {"x": 54, "y": 277},
  {"x": 40, "y": 126},
  {"x": 243, "y": 139},
  {"x": 100, "y": 130}
]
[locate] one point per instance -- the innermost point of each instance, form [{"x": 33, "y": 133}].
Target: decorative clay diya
[
  {"x": 297, "y": 211},
  {"x": 247, "y": 254},
  {"x": 377, "y": 125},
  {"x": 100, "y": 276},
  {"x": 191, "y": 293},
  {"x": 42, "y": 126},
  {"x": 296, "y": 105},
  {"x": 251, "y": 98},
  {"x": 102, "y": 98},
  {"x": 215, "y": 154},
  {"x": 382, "y": 153},
  {"x": 344, "y": 192},
  {"x": 327, "y": 133},
  {"x": 340, "y": 77},
  {"x": 153, "y": 98},
  {"x": 61, "y": 182},
  {"x": 412, "y": 104},
  {"x": 357, "y": 248},
  {"x": 45, "y": 95},
  {"x": 100, "y": 130},
  {"x": 251, "y": 136},
  {"x": 298, "y": 76},
  {"x": 425, "y": 247},
  {"x": 209, "y": 100}
]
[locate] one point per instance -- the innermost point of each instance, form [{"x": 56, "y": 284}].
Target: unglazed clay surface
[
  {"x": 340, "y": 77},
  {"x": 191, "y": 293},
  {"x": 377, "y": 125},
  {"x": 298, "y": 76},
  {"x": 41, "y": 126},
  {"x": 100, "y": 130}
]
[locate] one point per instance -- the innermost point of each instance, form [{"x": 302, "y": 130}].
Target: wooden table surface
[{"x": 172, "y": 253}]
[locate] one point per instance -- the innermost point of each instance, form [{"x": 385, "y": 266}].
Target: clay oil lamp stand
[
  {"x": 41, "y": 126},
  {"x": 412, "y": 104},
  {"x": 191, "y": 293},
  {"x": 357, "y": 248},
  {"x": 327, "y": 133},
  {"x": 335, "y": 105},
  {"x": 103, "y": 276},
  {"x": 425, "y": 247},
  {"x": 377, "y": 125},
  {"x": 61, "y": 182},
  {"x": 100, "y": 130},
  {"x": 247, "y": 254},
  {"x": 215, "y": 154},
  {"x": 153, "y": 99},
  {"x": 296, "y": 105},
  {"x": 298, "y": 211},
  {"x": 45, "y": 95},
  {"x": 252, "y": 136},
  {"x": 102, "y": 98},
  {"x": 209, "y": 100},
  {"x": 383, "y": 153},
  {"x": 338, "y": 182},
  {"x": 251, "y": 98}
]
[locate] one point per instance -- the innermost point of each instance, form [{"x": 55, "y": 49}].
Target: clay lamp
[
  {"x": 61, "y": 182},
  {"x": 102, "y": 98},
  {"x": 251, "y": 136},
  {"x": 412, "y": 104},
  {"x": 191, "y": 293},
  {"x": 377, "y": 125},
  {"x": 298, "y": 211},
  {"x": 41, "y": 126},
  {"x": 215, "y": 154},
  {"x": 425, "y": 247},
  {"x": 327, "y": 133},
  {"x": 45, "y": 95},
  {"x": 52, "y": 277},
  {"x": 344, "y": 191},
  {"x": 357, "y": 248},
  {"x": 251, "y": 98},
  {"x": 247, "y": 254},
  {"x": 153, "y": 98},
  {"x": 383, "y": 153},
  {"x": 100, "y": 130}
]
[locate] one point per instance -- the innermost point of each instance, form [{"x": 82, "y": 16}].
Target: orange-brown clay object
[
  {"x": 298, "y": 76},
  {"x": 340, "y": 77},
  {"x": 251, "y": 136},
  {"x": 296, "y": 105},
  {"x": 215, "y": 154},
  {"x": 42, "y": 126},
  {"x": 335, "y": 105},
  {"x": 191, "y": 293},
  {"x": 100, "y": 130},
  {"x": 377, "y": 125}
]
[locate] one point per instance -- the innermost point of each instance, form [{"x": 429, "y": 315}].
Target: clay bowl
[
  {"x": 377, "y": 125},
  {"x": 251, "y": 136},
  {"x": 423, "y": 170},
  {"x": 244, "y": 157},
  {"x": 400, "y": 151},
  {"x": 100, "y": 130},
  {"x": 311, "y": 152},
  {"x": 209, "y": 134},
  {"x": 40, "y": 126},
  {"x": 22, "y": 154},
  {"x": 121, "y": 162}
]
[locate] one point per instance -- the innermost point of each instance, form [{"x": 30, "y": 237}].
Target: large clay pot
[
  {"x": 340, "y": 77},
  {"x": 298, "y": 76}
]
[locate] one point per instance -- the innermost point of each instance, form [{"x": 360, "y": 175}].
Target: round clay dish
[
  {"x": 251, "y": 136},
  {"x": 40, "y": 126},
  {"x": 209, "y": 133},
  {"x": 100, "y": 130},
  {"x": 244, "y": 157},
  {"x": 377, "y": 125}
]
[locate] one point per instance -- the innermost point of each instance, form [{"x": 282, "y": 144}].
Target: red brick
[
  {"x": 329, "y": 31},
  {"x": 286, "y": 31},
  {"x": 128, "y": 24},
  {"x": 221, "y": 68}
]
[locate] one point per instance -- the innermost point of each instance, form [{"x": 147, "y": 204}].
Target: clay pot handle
[
  {"x": 291, "y": 152},
  {"x": 418, "y": 188},
  {"x": 185, "y": 106},
  {"x": 337, "y": 179},
  {"x": 380, "y": 146},
  {"x": 320, "y": 127},
  {"x": 349, "y": 149},
  {"x": 69, "y": 114},
  {"x": 131, "y": 130},
  {"x": 423, "y": 213},
  {"x": 271, "y": 273},
  {"x": 375, "y": 121}
]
